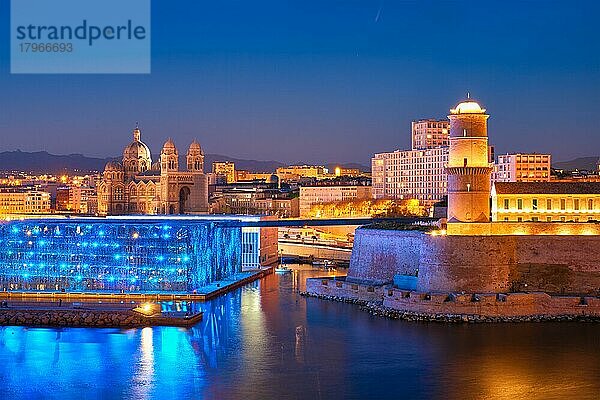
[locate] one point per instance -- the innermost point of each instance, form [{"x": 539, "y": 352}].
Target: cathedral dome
[
  {"x": 137, "y": 149},
  {"x": 468, "y": 107},
  {"x": 112, "y": 166}
]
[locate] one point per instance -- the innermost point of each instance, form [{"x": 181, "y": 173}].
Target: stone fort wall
[
  {"x": 559, "y": 264},
  {"x": 378, "y": 255}
]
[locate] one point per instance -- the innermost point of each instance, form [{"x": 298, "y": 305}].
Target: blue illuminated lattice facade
[{"x": 116, "y": 255}]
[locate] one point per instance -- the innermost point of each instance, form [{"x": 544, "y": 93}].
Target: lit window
[
  {"x": 506, "y": 204},
  {"x": 548, "y": 204},
  {"x": 576, "y": 204},
  {"x": 563, "y": 204}
]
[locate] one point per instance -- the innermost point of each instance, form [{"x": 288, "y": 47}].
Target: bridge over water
[{"x": 301, "y": 222}]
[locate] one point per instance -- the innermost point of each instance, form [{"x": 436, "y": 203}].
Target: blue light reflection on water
[{"x": 265, "y": 341}]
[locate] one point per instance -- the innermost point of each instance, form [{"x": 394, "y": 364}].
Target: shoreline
[{"x": 379, "y": 310}]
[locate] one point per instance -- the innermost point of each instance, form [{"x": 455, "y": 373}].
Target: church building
[{"x": 139, "y": 186}]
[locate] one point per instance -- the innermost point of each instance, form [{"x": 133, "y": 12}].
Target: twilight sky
[{"x": 325, "y": 81}]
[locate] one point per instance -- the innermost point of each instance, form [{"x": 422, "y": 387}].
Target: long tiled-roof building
[{"x": 546, "y": 201}]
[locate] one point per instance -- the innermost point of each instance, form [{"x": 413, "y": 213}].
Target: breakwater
[
  {"x": 89, "y": 318},
  {"x": 388, "y": 301}
]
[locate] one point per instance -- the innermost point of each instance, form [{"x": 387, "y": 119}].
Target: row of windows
[
  {"x": 551, "y": 204},
  {"x": 551, "y": 219}
]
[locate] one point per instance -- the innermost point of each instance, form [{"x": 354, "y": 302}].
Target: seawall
[
  {"x": 395, "y": 303},
  {"x": 89, "y": 318}
]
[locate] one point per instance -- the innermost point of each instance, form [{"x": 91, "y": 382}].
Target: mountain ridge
[{"x": 45, "y": 162}]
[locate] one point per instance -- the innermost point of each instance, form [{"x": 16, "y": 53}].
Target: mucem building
[{"x": 123, "y": 254}]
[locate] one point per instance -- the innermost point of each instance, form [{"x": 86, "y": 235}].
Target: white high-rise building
[
  {"x": 430, "y": 133},
  {"x": 410, "y": 174},
  {"x": 418, "y": 173}
]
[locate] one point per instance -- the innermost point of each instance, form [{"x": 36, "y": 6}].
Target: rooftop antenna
[
  {"x": 468, "y": 95},
  {"x": 137, "y": 124}
]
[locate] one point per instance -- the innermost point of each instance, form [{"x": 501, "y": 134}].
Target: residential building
[
  {"x": 522, "y": 167},
  {"x": 328, "y": 193},
  {"x": 23, "y": 200},
  {"x": 430, "y": 133},
  {"x": 243, "y": 175},
  {"x": 225, "y": 168},
  {"x": 296, "y": 172},
  {"x": 254, "y": 198},
  {"x": 416, "y": 174}
]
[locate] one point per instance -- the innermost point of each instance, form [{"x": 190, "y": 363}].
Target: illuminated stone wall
[
  {"x": 378, "y": 255},
  {"x": 493, "y": 263},
  {"x": 116, "y": 255}
]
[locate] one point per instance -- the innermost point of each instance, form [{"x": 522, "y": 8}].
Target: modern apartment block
[
  {"x": 521, "y": 167},
  {"x": 410, "y": 174},
  {"x": 430, "y": 133},
  {"x": 418, "y": 173}
]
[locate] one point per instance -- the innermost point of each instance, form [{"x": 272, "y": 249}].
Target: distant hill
[
  {"x": 587, "y": 163},
  {"x": 44, "y": 162}
]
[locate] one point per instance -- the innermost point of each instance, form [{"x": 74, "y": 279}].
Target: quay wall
[
  {"x": 452, "y": 307},
  {"x": 84, "y": 318},
  {"x": 344, "y": 289}
]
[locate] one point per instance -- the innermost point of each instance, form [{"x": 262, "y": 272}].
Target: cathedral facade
[{"x": 139, "y": 186}]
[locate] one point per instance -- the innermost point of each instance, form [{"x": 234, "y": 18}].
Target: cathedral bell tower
[
  {"x": 195, "y": 158},
  {"x": 169, "y": 158},
  {"x": 169, "y": 166},
  {"x": 469, "y": 170}
]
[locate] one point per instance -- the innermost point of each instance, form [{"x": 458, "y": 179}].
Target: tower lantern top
[{"x": 468, "y": 106}]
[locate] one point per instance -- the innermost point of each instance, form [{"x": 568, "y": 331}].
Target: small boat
[
  {"x": 282, "y": 269},
  {"x": 323, "y": 263}
]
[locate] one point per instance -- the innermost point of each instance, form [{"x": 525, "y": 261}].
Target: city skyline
[{"x": 317, "y": 82}]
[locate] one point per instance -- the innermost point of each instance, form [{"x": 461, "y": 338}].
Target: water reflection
[
  {"x": 143, "y": 378},
  {"x": 265, "y": 341}
]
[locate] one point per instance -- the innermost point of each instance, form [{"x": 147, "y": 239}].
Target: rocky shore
[
  {"x": 84, "y": 318},
  {"x": 377, "y": 309}
]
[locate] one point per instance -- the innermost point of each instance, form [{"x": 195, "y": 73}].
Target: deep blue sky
[{"x": 325, "y": 81}]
